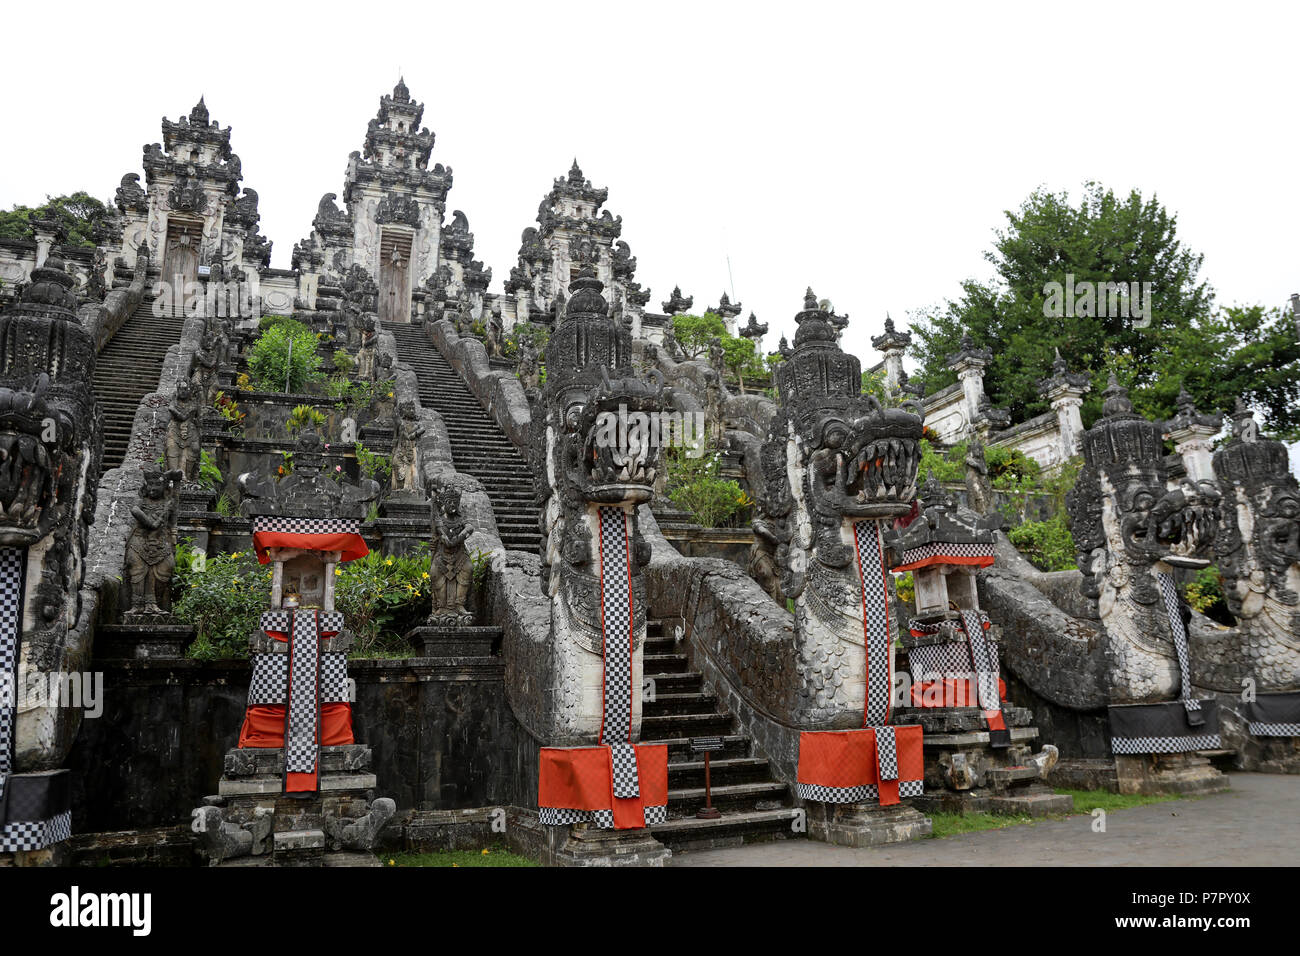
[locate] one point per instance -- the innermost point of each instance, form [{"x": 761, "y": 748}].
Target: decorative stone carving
[
  {"x": 406, "y": 473},
  {"x": 184, "y": 433},
  {"x": 590, "y": 477},
  {"x": 834, "y": 464},
  {"x": 151, "y": 547},
  {"x": 451, "y": 570},
  {"x": 678, "y": 303},
  {"x": 979, "y": 488}
]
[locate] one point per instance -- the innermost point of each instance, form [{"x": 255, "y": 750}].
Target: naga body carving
[
  {"x": 837, "y": 468},
  {"x": 595, "y": 462}
]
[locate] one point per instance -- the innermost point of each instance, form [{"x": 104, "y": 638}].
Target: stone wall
[{"x": 440, "y": 731}]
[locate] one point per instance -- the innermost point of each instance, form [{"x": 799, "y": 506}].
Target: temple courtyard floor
[{"x": 1255, "y": 823}]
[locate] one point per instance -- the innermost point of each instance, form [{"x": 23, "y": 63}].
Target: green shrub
[
  {"x": 209, "y": 474},
  {"x": 373, "y": 465},
  {"x": 696, "y": 485},
  {"x": 539, "y": 335},
  {"x": 382, "y": 598},
  {"x": 1205, "y": 594},
  {"x": 270, "y": 364},
  {"x": 304, "y": 416},
  {"x": 222, "y": 598},
  {"x": 1048, "y": 545},
  {"x": 343, "y": 361}
]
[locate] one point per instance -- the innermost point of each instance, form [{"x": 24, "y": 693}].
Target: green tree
[
  {"x": 741, "y": 358},
  {"x": 78, "y": 213},
  {"x": 693, "y": 332},
  {"x": 1108, "y": 238}
]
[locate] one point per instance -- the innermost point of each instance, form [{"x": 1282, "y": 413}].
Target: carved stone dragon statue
[{"x": 594, "y": 464}]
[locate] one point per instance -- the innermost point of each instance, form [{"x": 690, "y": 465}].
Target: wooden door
[{"x": 394, "y": 277}]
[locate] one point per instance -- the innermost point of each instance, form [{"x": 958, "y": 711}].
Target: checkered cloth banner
[
  {"x": 600, "y": 819},
  {"x": 616, "y": 619},
  {"x": 937, "y": 661},
  {"x": 1170, "y": 594},
  {"x": 875, "y": 621},
  {"x": 35, "y": 834},
  {"x": 886, "y": 753},
  {"x": 946, "y": 552},
  {"x": 288, "y": 525},
  {"x": 11, "y": 613},
  {"x": 270, "y": 682},
  {"x": 1259, "y": 728},
  {"x": 869, "y": 791},
  {"x": 623, "y": 766},
  {"x": 1164, "y": 745},
  {"x": 984, "y": 659},
  {"x": 302, "y": 716}
]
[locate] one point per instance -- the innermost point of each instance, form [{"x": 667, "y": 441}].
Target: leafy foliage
[
  {"x": 222, "y": 598},
  {"x": 382, "y": 598},
  {"x": 271, "y": 363},
  {"x": 372, "y": 464},
  {"x": 304, "y": 416},
  {"x": 696, "y": 485},
  {"x": 1047, "y": 545},
  {"x": 78, "y": 213},
  {"x": 210, "y": 476},
  {"x": 694, "y": 332},
  {"x": 1249, "y": 352}
]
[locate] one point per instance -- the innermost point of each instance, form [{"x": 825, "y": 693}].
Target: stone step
[
  {"x": 723, "y": 771},
  {"x": 679, "y": 748},
  {"x": 732, "y": 829},
  {"x": 736, "y": 796},
  {"x": 664, "y": 664},
  {"x": 684, "y": 725},
  {"x": 690, "y": 703}
]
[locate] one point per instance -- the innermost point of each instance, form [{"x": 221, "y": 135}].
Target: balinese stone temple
[{"x": 301, "y": 566}]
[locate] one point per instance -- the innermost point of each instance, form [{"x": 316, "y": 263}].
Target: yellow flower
[
  {"x": 425, "y": 575},
  {"x": 389, "y": 562},
  {"x": 485, "y": 851},
  {"x": 338, "y": 571},
  {"x": 392, "y": 862}
]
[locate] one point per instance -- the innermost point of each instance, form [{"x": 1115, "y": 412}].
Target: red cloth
[
  {"x": 950, "y": 692},
  {"x": 983, "y": 561},
  {"x": 351, "y": 544},
  {"x": 847, "y": 758},
  {"x": 264, "y": 726},
  {"x": 582, "y": 778}
]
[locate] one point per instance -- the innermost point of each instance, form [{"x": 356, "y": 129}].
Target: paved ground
[{"x": 1256, "y": 823}]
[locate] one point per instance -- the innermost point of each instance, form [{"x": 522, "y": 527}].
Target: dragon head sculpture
[
  {"x": 1129, "y": 526},
  {"x": 596, "y": 452},
  {"x": 837, "y": 466},
  {"x": 1258, "y": 551}
]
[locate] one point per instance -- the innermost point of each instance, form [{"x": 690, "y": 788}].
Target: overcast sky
[{"x": 868, "y": 152}]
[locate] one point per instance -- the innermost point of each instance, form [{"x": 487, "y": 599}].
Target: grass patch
[
  {"x": 491, "y": 856},
  {"x": 1085, "y": 801}
]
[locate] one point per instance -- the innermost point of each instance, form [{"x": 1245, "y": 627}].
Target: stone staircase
[
  {"x": 755, "y": 806},
  {"x": 127, "y": 370},
  {"x": 478, "y": 445}
]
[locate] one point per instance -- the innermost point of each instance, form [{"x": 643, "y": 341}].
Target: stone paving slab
[{"x": 1255, "y": 823}]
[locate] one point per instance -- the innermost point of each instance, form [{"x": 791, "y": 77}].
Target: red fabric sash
[
  {"x": 352, "y": 545},
  {"x": 582, "y": 778},
  {"x": 263, "y": 726},
  {"x": 847, "y": 758}
]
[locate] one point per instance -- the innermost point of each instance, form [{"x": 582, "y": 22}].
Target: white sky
[{"x": 867, "y": 151}]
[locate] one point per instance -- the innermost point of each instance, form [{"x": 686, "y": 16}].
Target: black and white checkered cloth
[
  {"x": 35, "y": 834},
  {"x": 937, "y": 661},
  {"x": 1164, "y": 745},
  {"x": 886, "y": 753},
  {"x": 302, "y": 719},
  {"x": 1170, "y": 593},
  {"x": 288, "y": 525},
  {"x": 1260, "y": 728},
  {"x": 270, "y": 682},
  {"x": 945, "y": 549},
  {"x": 814, "y": 791},
  {"x": 600, "y": 819},
  {"x": 11, "y": 610},
  {"x": 623, "y": 766},
  {"x": 875, "y": 621},
  {"x": 984, "y": 659},
  {"x": 616, "y": 611}
]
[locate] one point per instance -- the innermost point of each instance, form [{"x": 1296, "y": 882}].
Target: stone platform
[{"x": 1188, "y": 773}]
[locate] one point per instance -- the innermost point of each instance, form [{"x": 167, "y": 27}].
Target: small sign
[
  {"x": 705, "y": 744},
  {"x": 205, "y": 271}
]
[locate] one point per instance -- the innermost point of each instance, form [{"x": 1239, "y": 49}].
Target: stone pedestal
[
  {"x": 455, "y": 641},
  {"x": 1187, "y": 773},
  {"x": 142, "y": 641},
  {"x": 260, "y": 825},
  {"x": 964, "y": 773},
  {"x": 195, "y": 500},
  {"x": 865, "y": 824},
  {"x": 580, "y": 845}
]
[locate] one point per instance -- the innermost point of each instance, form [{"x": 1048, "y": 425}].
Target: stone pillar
[
  {"x": 1191, "y": 432},
  {"x": 894, "y": 344},
  {"x": 1065, "y": 390}
]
